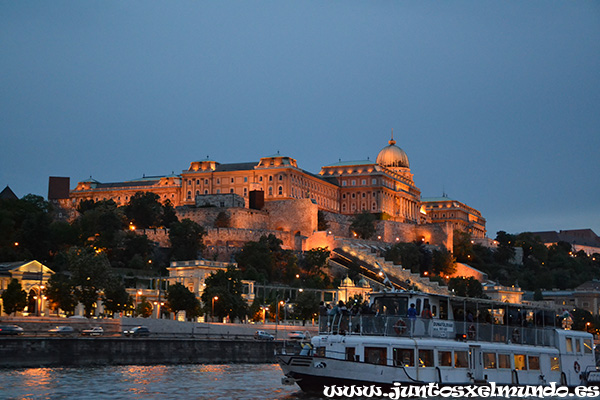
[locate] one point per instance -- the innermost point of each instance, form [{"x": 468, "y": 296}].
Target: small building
[
  {"x": 462, "y": 217},
  {"x": 348, "y": 289},
  {"x": 585, "y": 296},
  {"x": 33, "y": 277},
  {"x": 506, "y": 294}
]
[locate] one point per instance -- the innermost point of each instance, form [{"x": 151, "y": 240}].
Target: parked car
[
  {"x": 262, "y": 335},
  {"x": 11, "y": 330},
  {"x": 64, "y": 330},
  {"x": 298, "y": 335},
  {"x": 95, "y": 331},
  {"x": 137, "y": 331}
]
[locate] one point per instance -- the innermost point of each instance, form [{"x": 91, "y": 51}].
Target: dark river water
[{"x": 164, "y": 382}]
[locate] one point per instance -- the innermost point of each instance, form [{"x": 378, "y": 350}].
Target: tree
[
  {"x": 443, "y": 262},
  {"x": 462, "y": 247},
  {"x": 90, "y": 273},
  {"x": 409, "y": 255},
  {"x": 186, "y": 240},
  {"x": 14, "y": 297},
  {"x": 60, "y": 293},
  {"x": 179, "y": 298},
  {"x": 115, "y": 297},
  {"x": 144, "y": 210},
  {"x": 101, "y": 224},
  {"x": 315, "y": 260},
  {"x": 227, "y": 286},
  {"x": 466, "y": 287},
  {"x": 144, "y": 308},
  {"x": 307, "y": 306},
  {"x": 363, "y": 225}
]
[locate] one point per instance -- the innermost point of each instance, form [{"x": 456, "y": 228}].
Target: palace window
[
  {"x": 270, "y": 178},
  {"x": 218, "y": 191},
  {"x": 231, "y": 190},
  {"x": 280, "y": 190},
  {"x": 280, "y": 177},
  {"x": 218, "y": 181},
  {"x": 245, "y": 192},
  {"x": 245, "y": 179},
  {"x": 205, "y": 191},
  {"x": 343, "y": 195},
  {"x": 206, "y": 181},
  {"x": 260, "y": 178},
  {"x": 353, "y": 195},
  {"x": 353, "y": 182},
  {"x": 197, "y": 193},
  {"x": 373, "y": 181},
  {"x": 364, "y": 181},
  {"x": 270, "y": 190},
  {"x": 232, "y": 180},
  {"x": 343, "y": 183},
  {"x": 189, "y": 195}
]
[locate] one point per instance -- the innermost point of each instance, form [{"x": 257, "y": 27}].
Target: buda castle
[{"x": 384, "y": 187}]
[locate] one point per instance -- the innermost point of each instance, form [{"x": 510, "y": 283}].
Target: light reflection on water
[{"x": 164, "y": 382}]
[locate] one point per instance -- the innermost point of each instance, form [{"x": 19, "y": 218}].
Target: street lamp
[
  {"x": 213, "y": 306},
  {"x": 280, "y": 303}
]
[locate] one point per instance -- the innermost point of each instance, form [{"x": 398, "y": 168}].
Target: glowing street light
[{"x": 213, "y": 306}]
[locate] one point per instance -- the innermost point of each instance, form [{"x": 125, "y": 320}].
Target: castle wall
[
  {"x": 240, "y": 218},
  {"x": 296, "y": 216}
]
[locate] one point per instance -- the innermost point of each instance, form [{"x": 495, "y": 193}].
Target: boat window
[
  {"x": 587, "y": 346},
  {"x": 504, "y": 361},
  {"x": 419, "y": 306},
  {"x": 350, "y": 353},
  {"x": 569, "y": 343},
  {"x": 376, "y": 355},
  {"x": 445, "y": 358},
  {"x": 578, "y": 345},
  {"x": 404, "y": 357},
  {"x": 489, "y": 360},
  {"x": 320, "y": 351},
  {"x": 520, "y": 362},
  {"x": 534, "y": 362},
  {"x": 434, "y": 310},
  {"x": 554, "y": 364},
  {"x": 390, "y": 306},
  {"x": 425, "y": 358},
  {"x": 443, "y": 309},
  {"x": 460, "y": 359}
]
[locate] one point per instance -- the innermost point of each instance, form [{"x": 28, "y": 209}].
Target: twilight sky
[{"x": 497, "y": 103}]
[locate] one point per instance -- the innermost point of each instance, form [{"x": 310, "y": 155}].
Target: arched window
[
  {"x": 280, "y": 190},
  {"x": 189, "y": 195},
  {"x": 270, "y": 190}
]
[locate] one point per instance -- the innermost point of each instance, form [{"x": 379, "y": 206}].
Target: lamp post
[
  {"x": 277, "y": 317},
  {"x": 213, "y": 307}
]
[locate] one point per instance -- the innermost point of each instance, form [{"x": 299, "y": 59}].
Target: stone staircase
[{"x": 368, "y": 251}]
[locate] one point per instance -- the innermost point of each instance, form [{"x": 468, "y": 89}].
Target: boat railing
[{"x": 398, "y": 326}]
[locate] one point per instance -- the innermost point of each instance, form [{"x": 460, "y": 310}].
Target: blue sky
[{"x": 496, "y": 103}]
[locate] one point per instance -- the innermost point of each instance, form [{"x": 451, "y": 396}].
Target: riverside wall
[{"x": 24, "y": 352}]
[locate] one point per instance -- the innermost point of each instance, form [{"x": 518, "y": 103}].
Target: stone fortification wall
[
  {"x": 236, "y": 238},
  {"x": 393, "y": 232},
  {"x": 240, "y": 218},
  {"x": 296, "y": 216},
  {"x": 435, "y": 234}
]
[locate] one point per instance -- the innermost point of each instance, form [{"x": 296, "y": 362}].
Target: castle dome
[{"x": 392, "y": 155}]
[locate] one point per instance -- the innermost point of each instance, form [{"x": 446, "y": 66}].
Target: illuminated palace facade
[{"x": 384, "y": 186}]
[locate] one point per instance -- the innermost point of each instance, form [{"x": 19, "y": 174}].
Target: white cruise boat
[{"x": 467, "y": 341}]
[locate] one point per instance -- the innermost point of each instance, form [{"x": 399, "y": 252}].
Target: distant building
[
  {"x": 585, "y": 296},
  {"x": 462, "y": 217},
  {"x": 8, "y": 194},
  {"x": 580, "y": 239},
  {"x": 506, "y": 294},
  {"x": 384, "y": 186}
]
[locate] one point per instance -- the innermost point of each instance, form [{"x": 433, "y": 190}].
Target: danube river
[{"x": 164, "y": 382}]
